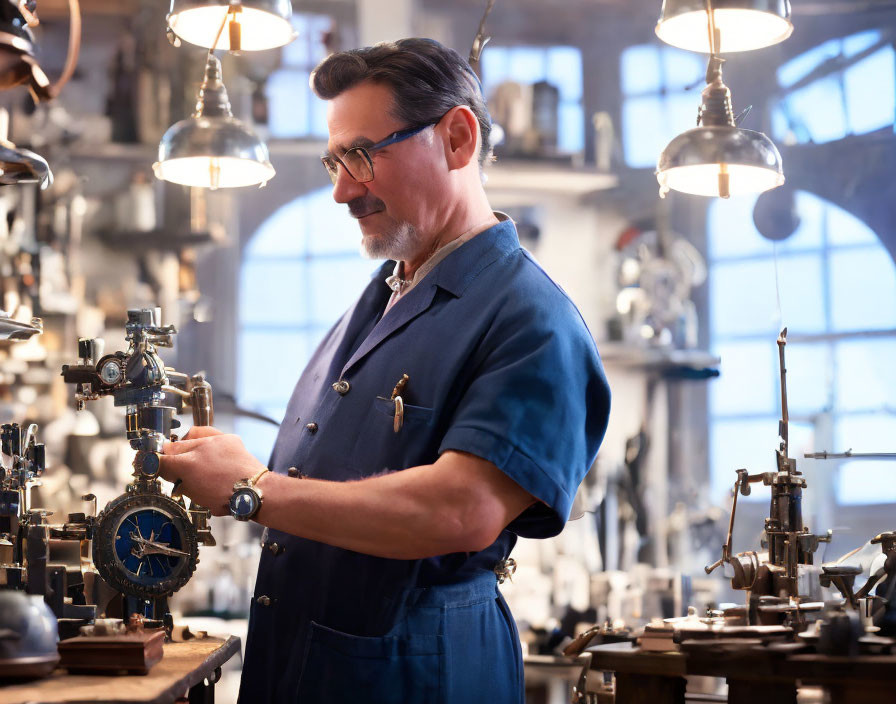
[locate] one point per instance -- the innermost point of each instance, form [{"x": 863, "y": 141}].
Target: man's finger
[
  {"x": 172, "y": 466},
  {"x": 182, "y": 446},
  {"x": 201, "y": 431}
]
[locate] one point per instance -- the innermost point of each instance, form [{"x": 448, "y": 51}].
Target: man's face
[{"x": 398, "y": 211}]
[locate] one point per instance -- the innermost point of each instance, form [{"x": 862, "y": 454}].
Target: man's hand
[{"x": 208, "y": 463}]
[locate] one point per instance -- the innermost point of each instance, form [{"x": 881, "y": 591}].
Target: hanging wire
[
  {"x": 214, "y": 45},
  {"x": 777, "y": 286}
]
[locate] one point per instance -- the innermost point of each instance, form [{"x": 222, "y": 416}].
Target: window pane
[
  {"x": 863, "y": 289},
  {"x": 736, "y": 444},
  {"x": 819, "y": 107},
  {"x": 331, "y": 230},
  {"x": 733, "y": 312},
  {"x": 870, "y": 92},
  {"x": 640, "y": 66},
  {"x": 273, "y": 292},
  {"x": 809, "y": 378},
  {"x": 809, "y": 233},
  {"x": 802, "y": 65},
  {"x": 288, "y": 103},
  {"x": 747, "y": 383},
  {"x": 682, "y": 69},
  {"x": 866, "y": 481},
  {"x": 681, "y": 115},
  {"x": 269, "y": 364},
  {"x": 283, "y": 234},
  {"x": 642, "y": 130},
  {"x": 866, "y": 375},
  {"x": 730, "y": 229},
  {"x": 750, "y": 444},
  {"x": 571, "y": 138},
  {"x": 565, "y": 71},
  {"x": 857, "y": 43},
  {"x": 844, "y": 228},
  {"x": 495, "y": 67},
  {"x": 257, "y": 436},
  {"x": 744, "y": 301},
  {"x": 527, "y": 65}
]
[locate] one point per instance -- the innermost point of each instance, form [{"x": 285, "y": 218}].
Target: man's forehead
[{"x": 359, "y": 116}]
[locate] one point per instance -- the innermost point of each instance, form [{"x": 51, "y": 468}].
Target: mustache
[{"x": 359, "y": 207}]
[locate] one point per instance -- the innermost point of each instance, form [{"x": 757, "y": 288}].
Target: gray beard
[{"x": 399, "y": 244}]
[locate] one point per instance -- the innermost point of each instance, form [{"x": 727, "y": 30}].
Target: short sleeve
[{"x": 537, "y": 407}]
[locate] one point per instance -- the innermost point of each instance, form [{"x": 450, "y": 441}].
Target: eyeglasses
[{"x": 357, "y": 160}]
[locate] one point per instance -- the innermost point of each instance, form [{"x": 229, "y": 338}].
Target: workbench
[
  {"x": 192, "y": 666},
  {"x": 763, "y": 674}
]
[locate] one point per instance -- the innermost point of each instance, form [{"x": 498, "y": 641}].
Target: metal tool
[
  {"x": 789, "y": 542},
  {"x": 146, "y": 543}
]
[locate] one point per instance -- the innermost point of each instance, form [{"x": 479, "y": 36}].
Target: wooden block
[{"x": 132, "y": 653}]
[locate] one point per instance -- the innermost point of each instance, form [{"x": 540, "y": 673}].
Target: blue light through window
[
  {"x": 835, "y": 283},
  {"x": 293, "y": 109},
  {"x": 301, "y": 270},
  {"x": 561, "y": 66},
  {"x": 841, "y": 87},
  {"x": 659, "y": 99}
]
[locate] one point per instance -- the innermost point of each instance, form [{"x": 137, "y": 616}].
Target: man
[{"x": 471, "y": 372}]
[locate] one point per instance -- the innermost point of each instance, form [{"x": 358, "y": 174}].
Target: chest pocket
[{"x": 378, "y": 447}]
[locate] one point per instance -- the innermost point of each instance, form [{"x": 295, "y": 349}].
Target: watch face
[{"x": 243, "y": 503}]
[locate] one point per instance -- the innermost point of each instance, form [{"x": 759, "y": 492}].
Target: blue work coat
[{"x": 501, "y": 365}]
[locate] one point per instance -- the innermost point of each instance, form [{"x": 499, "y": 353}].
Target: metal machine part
[
  {"x": 15, "y": 330},
  {"x": 146, "y": 543},
  {"x": 789, "y": 542},
  {"x": 27, "y": 636}
]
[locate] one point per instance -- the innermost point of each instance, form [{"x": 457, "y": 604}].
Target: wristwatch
[{"x": 246, "y": 499}]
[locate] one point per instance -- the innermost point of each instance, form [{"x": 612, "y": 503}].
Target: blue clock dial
[{"x": 145, "y": 545}]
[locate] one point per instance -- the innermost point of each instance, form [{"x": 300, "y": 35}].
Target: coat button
[
  {"x": 264, "y": 600},
  {"x": 342, "y": 387},
  {"x": 275, "y": 548},
  {"x": 293, "y": 472},
  {"x": 312, "y": 428}
]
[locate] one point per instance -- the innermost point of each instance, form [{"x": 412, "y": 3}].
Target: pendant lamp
[
  {"x": 252, "y": 25},
  {"x": 741, "y": 25},
  {"x": 717, "y": 158},
  {"x": 212, "y": 149}
]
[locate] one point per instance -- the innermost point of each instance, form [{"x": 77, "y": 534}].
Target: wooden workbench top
[{"x": 182, "y": 666}]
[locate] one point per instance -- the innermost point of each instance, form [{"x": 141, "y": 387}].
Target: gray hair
[{"x": 427, "y": 79}]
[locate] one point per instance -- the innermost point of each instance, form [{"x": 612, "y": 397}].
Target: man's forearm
[{"x": 415, "y": 513}]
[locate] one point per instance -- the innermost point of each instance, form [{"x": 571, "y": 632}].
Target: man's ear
[{"x": 461, "y": 130}]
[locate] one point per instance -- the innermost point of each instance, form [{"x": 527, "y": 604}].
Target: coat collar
[{"x": 454, "y": 274}]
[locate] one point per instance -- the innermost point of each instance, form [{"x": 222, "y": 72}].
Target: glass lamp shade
[
  {"x": 742, "y": 25},
  {"x": 253, "y": 25},
  {"x": 719, "y": 161},
  {"x": 213, "y": 152}
]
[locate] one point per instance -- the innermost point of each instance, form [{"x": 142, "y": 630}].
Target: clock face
[
  {"x": 243, "y": 503},
  {"x": 145, "y": 545}
]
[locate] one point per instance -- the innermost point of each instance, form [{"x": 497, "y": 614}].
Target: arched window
[
  {"x": 300, "y": 271},
  {"x": 834, "y": 286},
  {"x": 841, "y": 87}
]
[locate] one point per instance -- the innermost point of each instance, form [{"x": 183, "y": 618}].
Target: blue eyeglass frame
[{"x": 331, "y": 160}]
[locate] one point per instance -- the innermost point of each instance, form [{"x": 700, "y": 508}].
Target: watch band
[{"x": 254, "y": 480}]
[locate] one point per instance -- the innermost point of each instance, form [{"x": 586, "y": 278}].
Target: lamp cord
[
  {"x": 214, "y": 45},
  {"x": 713, "y": 32}
]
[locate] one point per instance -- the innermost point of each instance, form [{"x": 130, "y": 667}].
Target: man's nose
[{"x": 346, "y": 188}]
